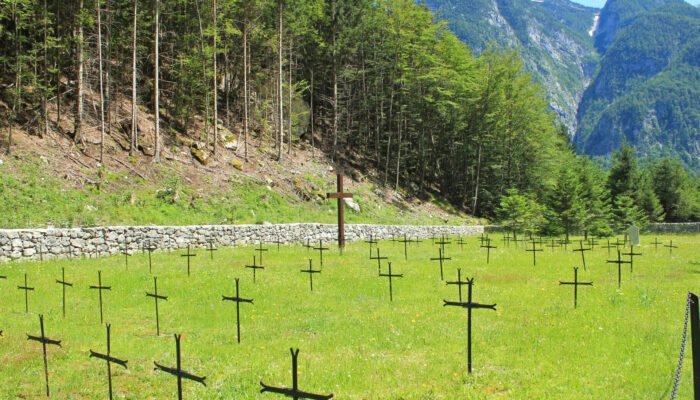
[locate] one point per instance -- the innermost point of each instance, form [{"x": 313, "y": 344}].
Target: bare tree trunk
[
  {"x": 108, "y": 73},
  {"x": 216, "y": 103},
  {"x": 398, "y": 154},
  {"x": 245, "y": 82},
  {"x": 280, "y": 112},
  {"x": 102, "y": 94},
  {"x": 134, "y": 108},
  {"x": 156, "y": 155},
  {"x": 18, "y": 80},
  {"x": 313, "y": 149},
  {"x": 335, "y": 87},
  {"x": 204, "y": 69},
  {"x": 78, "y": 129},
  {"x": 476, "y": 188},
  {"x": 289, "y": 105},
  {"x": 44, "y": 107}
]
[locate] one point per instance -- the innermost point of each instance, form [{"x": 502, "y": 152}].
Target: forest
[{"x": 383, "y": 84}]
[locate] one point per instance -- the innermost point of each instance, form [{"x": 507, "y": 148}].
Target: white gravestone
[{"x": 633, "y": 234}]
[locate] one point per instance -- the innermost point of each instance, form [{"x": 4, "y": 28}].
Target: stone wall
[
  {"x": 18, "y": 244},
  {"x": 687, "y": 227}
]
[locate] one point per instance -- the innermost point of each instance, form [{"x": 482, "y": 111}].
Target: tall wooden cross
[
  {"x": 108, "y": 357},
  {"x": 469, "y": 305},
  {"x": 631, "y": 254},
  {"x": 390, "y": 276},
  {"x": 294, "y": 391},
  {"x": 582, "y": 250},
  {"x": 576, "y": 284},
  {"x": 156, "y": 297},
  {"x": 311, "y": 273},
  {"x": 178, "y": 371},
  {"x": 44, "y": 341},
  {"x": 100, "y": 288},
  {"x": 188, "y": 255},
  {"x": 254, "y": 267},
  {"x": 63, "y": 284},
  {"x": 26, "y": 293},
  {"x": 619, "y": 263},
  {"x": 534, "y": 253},
  {"x": 441, "y": 257},
  {"x": 340, "y": 195},
  {"x": 238, "y": 299}
]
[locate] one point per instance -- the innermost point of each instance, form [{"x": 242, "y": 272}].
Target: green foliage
[
  {"x": 625, "y": 212},
  {"x": 566, "y": 202},
  {"x": 521, "y": 213}
]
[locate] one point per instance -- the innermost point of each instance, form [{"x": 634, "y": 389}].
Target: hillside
[
  {"x": 552, "y": 37},
  {"x": 647, "y": 89}
]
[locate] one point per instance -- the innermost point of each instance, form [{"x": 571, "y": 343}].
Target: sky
[{"x": 601, "y": 3}]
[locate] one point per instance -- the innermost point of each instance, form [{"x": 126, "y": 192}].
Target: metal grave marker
[
  {"x": 488, "y": 248},
  {"x": 576, "y": 284},
  {"x": 211, "y": 249},
  {"x": 26, "y": 289},
  {"x": 150, "y": 249},
  {"x": 108, "y": 357},
  {"x": 260, "y": 251},
  {"x": 582, "y": 250},
  {"x": 238, "y": 299},
  {"x": 534, "y": 253},
  {"x": 254, "y": 267},
  {"x": 311, "y": 273},
  {"x": 294, "y": 391},
  {"x": 609, "y": 246},
  {"x": 63, "y": 284},
  {"x": 371, "y": 241},
  {"x": 178, "y": 371},
  {"x": 44, "y": 341},
  {"x": 441, "y": 258},
  {"x": 631, "y": 254},
  {"x": 189, "y": 256},
  {"x": 379, "y": 260},
  {"x": 619, "y": 263},
  {"x": 656, "y": 243},
  {"x": 459, "y": 282},
  {"x": 156, "y": 297},
  {"x": 340, "y": 195},
  {"x": 100, "y": 288},
  {"x": 321, "y": 249},
  {"x": 278, "y": 242},
  {"x": 390, "y": 276},
  {"x": 670, "y": 247},
  {"x": 469, "y": 305},
  {"x": 405, "y": 242}
]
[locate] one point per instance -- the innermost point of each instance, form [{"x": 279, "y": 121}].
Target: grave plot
[{"x": 620, "y": 343}]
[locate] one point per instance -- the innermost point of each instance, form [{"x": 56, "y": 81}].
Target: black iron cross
[
  {"x": 63, "y": 284},
  {"x": 211, "y": 249},
  {"x": 156, "y": 297},
  {"x": 26, "y": 289},
  {"x": 238, "y": 299},
  {"x": 308, "y": 244},
  {"x": 631, "y": 254},
  {"x": 442, "y": 242},
  {"x": 254, "y": 268},
  {"x": 189, "y": 256},
  {"x": 393, "y": 239},
  {"x": 553, "y": 245},
  {"x": 311, "y": 273},
  {"x": 340, "y": 195},
  {"x": 178, "y": 371},
  {"x": 582, "y": 250},
  {"x": 469, "y": 305},
  {"x": 619, "y": 263},
  {"x": 459, "y": 282},
  {"x": 150, "y": 249},
  {"x": 534, "y": 253},
  {"x": 371, "y": 241},
  {"x": 260, "y": 250},
  {"x": 609, "y": 246},
  {"x": 656, "y": 243},
  {"x": 108, "y": 357},
  {"x": 294, "y": 391},
  {"x": 100, "y": 288},
  {"x": 405, "y": 242},
  {"x": 461, "y": 242},
  {"x": 278, "y": 242},
  {"x": 617, "y": 243},
  {"x": 44, "y": 341},
  {"x": 592, "y": 243},
  {"x": 576, "y": 284},
  {"x": 483, "y": 238},
  {"x": 321, "y": 249},
  {"x": 441, "y": 258},
  {"x": 488, "y": 248},
  {"x": 390, "y": 276},
  {"x": 670, "y": 247},
  {"x": 125, "y": 251},
  {"x": 379, "y": 260}
]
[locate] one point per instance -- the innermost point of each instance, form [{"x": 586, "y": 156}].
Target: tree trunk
[
  {"x": 280, "y": 112},
  {"x": 204, "y": 68},
  {"x": 476, "y": 186},
  {"x": 335, "y": 87},
  {"x": 134, "y": 108},
  {"x": 102, "y": 94},
  {"x": 289, "y": 104},
  {"x": 245, "y": 82},
  {"x": 78, "y": 129},
  {"x": 216, "y": 103},
  {"x": 156, "y": 155},
  {"x": 313, "y": 150},
  {"x": 45, "y": 88}
]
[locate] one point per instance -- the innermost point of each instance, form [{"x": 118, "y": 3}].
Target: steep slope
[
  {"x": 647, "y": 89},
  {"x": 551, "y": 35}
]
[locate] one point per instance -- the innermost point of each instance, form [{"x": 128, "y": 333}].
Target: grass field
[{"x": 618, "y": 344}]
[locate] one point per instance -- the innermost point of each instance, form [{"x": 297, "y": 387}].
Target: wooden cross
[
  {"x": 238, "y": 299},
  {"x": 254, "y": 268},
  {"x": 340, "y": 195},
  {"x": 311, "y": 273},
  {"x": 178, "y": 371},
  {"x": 379, "y": 260},
  {"x": 670, "y": 247},
  {"x": 488, "y": 248},
  {"x": 63, "y": 284},
  {"x": 108, "y": 357},
  {"x": 459, "y": 282},
  {"x": 100, "y": 288},
  {"x": 294, "y": 391},
  {"x": 156, "y": 297},
  {"x": 631, "y": 254},
  {"x": 656, "y": 243},
  {"x": 371, "y": 241},
  {"x": 211, "y": 249},
  {"x": 321, "y": 249},
  {"x": 440, "y": 258},
  {"x": 582, "y": 250},
  {"x": 44, "y": 341},
  {"x": 576, "y": 284},
  {"x": 390, "y": 275},
  {"x": 260, "y": 250},
  {"x": 26, "y": 289},
  {"x": 188, "y": 255},
  {"x": 609, "y": 246},
  {"x": 619, "y": 263},
  {"x": 405, "y": 242},
  {"x": 150, "y": 249},
  {"x": 469, "y": 305},
  {"x": 534, "y": 253}
]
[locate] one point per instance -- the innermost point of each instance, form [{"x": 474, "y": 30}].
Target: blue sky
[{"x": 601, "y": 3}]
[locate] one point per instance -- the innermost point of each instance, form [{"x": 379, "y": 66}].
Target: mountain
[
  {"x": 552, "y": 36},
  {"x": 647, "y": 87}
]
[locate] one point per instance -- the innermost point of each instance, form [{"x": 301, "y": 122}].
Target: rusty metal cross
[{"x": 340, "y": 195}]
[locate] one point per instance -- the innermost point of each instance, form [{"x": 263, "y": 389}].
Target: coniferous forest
[{"x": 383, "y": 84}]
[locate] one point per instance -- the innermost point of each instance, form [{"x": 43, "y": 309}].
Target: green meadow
[{"x": 620, "y": 343}]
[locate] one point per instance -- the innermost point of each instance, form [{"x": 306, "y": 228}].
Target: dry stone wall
[{"x": 33, "y": 244}]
